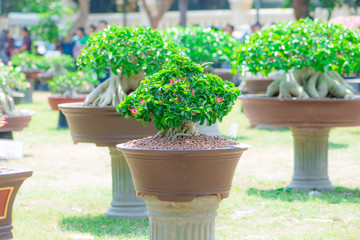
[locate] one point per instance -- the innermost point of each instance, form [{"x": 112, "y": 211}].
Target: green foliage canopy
[
  {"x": 126, "y": 50},
  {"x": 203, "y": 44},
  {"x": 303, "y": 44},
  {"x": 180, "y": 92}
]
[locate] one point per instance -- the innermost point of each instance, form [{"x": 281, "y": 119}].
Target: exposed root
[
  {"x": 7, "y": 103},
  {"x": 307, "y": 83},
  {"x": 113, "y": 90},
  {"x": 187, "y": 129},
  {"x": 52, "y": 72}
]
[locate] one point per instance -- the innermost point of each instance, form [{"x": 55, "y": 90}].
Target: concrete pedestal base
[
  {"x": 125, "y": 204},
  {"x": 182, "y": 220},
  {"x": 311, "y": 160}
]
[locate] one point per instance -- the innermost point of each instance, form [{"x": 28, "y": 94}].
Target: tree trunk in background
[
  {"x": 301, "y": 8},
  {"x": 81, "y": 20},
  {"x": 183, "y": 7},
  {"x": 162, "y": 7}
]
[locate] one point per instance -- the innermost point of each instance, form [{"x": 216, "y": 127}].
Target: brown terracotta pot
[
  {"x": 56, "y": 99},
  {"x": 10, "y": 182},
  {"x": 181, "y": 175},
  {"x": 102, "y": 126},
  {"x": 301, "y": 113},
  {"x": 18, "y": 122},
  {"x": 32, "y": 75},
  {"x": 224, "y": 74},
  {"x": 257, "y": 85}
]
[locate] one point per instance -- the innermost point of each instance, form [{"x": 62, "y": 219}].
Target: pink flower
[
  {"x": 81, "y": 74},
  {"x": 192, "y": 92},
  {"x": 142, "y": 101},
  {"x": 134, "y": 111},
  {"x": 219, "y": 100},
  {"x": 28, "y": 84},
  {"x": 173, "y": 81},
  {"x": 2, "y": 119},
  {"x": 161, "y": 102},
  {"x": 1, "y": 107}
]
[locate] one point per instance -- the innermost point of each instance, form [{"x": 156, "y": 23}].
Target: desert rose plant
[
  {"x": 313, "y": 55},
  {"x": 130, "y": 54},
  {"x": 56, "y": 65},
  {"x": 203, "y": 44},
  {"x": 26, "y": 61},
  {"x": 10, "y": 78},
  {"x": 178, "y": 96},
  {"x": 71, "y": 84}
]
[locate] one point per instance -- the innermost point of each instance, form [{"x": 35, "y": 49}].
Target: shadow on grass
[
  {"x": 101, "y": 226},
  {"x": 339, "y": 195},
  {"x": 272, "y": 129},
  {"x": 338, "y": 145}
]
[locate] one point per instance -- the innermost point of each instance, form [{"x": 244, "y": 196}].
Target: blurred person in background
[
  {"x": 80, "y": 41},
  {"x": 7, "y": 46},
  {"x": 102, "y": 25},
  {"x": 91, "y": 29}
]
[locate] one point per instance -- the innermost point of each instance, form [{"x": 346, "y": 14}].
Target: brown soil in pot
[{"x": 196, "y": 142}]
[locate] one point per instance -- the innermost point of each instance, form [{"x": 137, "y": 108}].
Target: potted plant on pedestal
[
  {"x": 181, "y": 174},
  {"x": 55, "y": 66},
  {"x": 204, "y": 45},
  {"x": 10, "y": 182},
  {"x": 70, "y": 87},
  {"x": 11, "y": 78},
  {"x": 129, "y": 54},
  {"x": 311, "y": 97}
]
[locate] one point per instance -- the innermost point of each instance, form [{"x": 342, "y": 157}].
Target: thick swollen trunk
[
  {"x": 7, "y": 103},
  {"x": 306, "y": 83},
  {"x": 187, "y": 129},
  {"x": 301, "y": 8},
  {"x": 113, "y": 90}
]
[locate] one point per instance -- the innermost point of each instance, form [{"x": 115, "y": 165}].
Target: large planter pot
[
  {"x": 253, "y": 85},
  {"x": 56, "y": 99},
  {"x": 224, "y": 74},
  {"x": 16, "y": 123},
  {"x": 105, "y": 127},
  {"x": 10, "y": 182},
  {"x": 182, "y": 188},
  {"x": 310, "y": 121}
]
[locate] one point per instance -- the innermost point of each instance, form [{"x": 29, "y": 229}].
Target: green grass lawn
[{"x": 71, "y": 187}]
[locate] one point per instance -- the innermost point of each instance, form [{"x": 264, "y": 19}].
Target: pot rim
[
  {"x": 263, "y": 97},
  {"x": 10, "y": 170},
  {"x": 23, "y": 113},
  {"x": 79, "y": 105},
  {"x": 243, "y": 146}
]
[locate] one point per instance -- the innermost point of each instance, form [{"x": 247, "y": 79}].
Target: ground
[{"x": 71, "y": 187}]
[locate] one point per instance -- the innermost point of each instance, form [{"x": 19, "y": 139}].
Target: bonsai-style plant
[
  {"x": 71, "y": 84},
  {"x": 130, "y": 54},
  {"x": 182, "y": 175},
  {"x": 203, "y": 44},
  {"x": 56, "y": 65},
  {"x": 10, "y": 78},
  {"x": 312, "y": 95},
  {"x": 313, "y": 55},
  {"x": 178, "y": 96},
  {"x": 27, "y": 62}
]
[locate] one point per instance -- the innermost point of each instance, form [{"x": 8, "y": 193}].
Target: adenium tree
[
  {"x": 26, "y": 61},
  {"x": 70, "y": 84},
  {"x": 178, "y": 96},
  {"x": 10, "y": 78},
  {"x": 130, "y": 54},
  {"x": 203, "y": 44},
  {"x": 56, "y": 65},
  {"x": 313, "y": 55}
]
